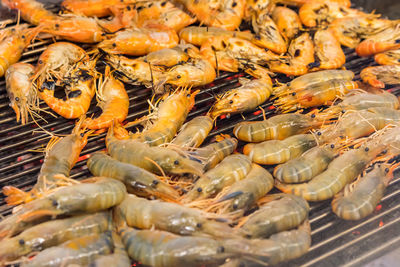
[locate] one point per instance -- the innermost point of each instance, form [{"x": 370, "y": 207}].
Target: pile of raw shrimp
[{"x": 159, "y": 196}]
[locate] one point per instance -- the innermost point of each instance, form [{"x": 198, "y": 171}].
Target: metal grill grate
[{"x": 334, "y": 241}]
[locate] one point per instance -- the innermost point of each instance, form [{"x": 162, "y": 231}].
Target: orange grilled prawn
[{"x": 328, "y": 52}]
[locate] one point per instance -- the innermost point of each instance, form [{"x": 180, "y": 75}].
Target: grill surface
[{"x": 334, "y": 241}]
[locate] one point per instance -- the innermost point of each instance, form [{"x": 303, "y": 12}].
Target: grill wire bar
[{"x": 334, "y": 241}]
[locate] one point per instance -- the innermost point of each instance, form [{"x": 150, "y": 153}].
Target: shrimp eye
[
  {"x": 176, "y": 162},
  {"x": 234, "y": 206},
  {"x": 57, "y": 25},
  {"x": 234, "y": 4},
  {"x": 188, "y": 95},
  {"x": 17, "y": 98},
  {"x": 23, "y": 36},
  {"x": 21, "y": 242},
  {"x": 221, "y": 249},
  {"x": 384, "y": 151},
  {"x": 387, "y": 170},
  {"x": 312, "y": 115},
  {"x": 319, "y": 133},
  {"x": 294, "y": 93},
  {"x": 155, "y": 182},
  {"x": 397, "y": 41},
  {"x": 231, "y": 102},
  {"x": 366, "y": 149},
  {"x": 199, "y": 225},
  {"x": 332, "y": 146},
  {"x": 128, "y": 8},
  {"x": 199, "y": 189},
  {"x": 82, "y": 134},
  {"x": 54, "y": 203},
  {"x": 257, "y": 37},
  {"x": 40, "y": 61},
  {"x": 114, "y": 45},
  {"x": 178, "y": 76},
  {"x": 163, "y": 3}
]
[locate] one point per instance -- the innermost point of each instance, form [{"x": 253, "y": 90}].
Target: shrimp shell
[
  {"x": 385, "y": 40},
  {"x": 391, "y": 57},
  {"x": 193, "y": 133},
  {"x": 287, "y": 21},
  {"x": 379, "y": 76},
  {"x": 329, "y": 53}
]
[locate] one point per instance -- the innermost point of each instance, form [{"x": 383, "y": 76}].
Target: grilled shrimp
[
  {"x": 169, "y": 57},
  {"x": 385, "y": 40},
  {"x": 316, "y": 95},
  {"x": 53, "y": 233},
  {"x": 23, "y": 97},
  {"x": 102, "y": 193},
  {"x": 230, "y": 170},
  {"x": 81, "y": 251},
  {"x": 12, "y": 43},
  {"x": 31, "y": 11},
  {"x": 379, "y": 76},
  {"x": 92, "y": 8},
  {"x": 287, "y": 22},
  {"x": 150, "y": 158},
  {"x": 304, "y": 168},
  {"x": 243, "y": 194},
  {"x": 299, "y": 3},
  {"x": 250, "y": 95},
  {"x": 282, "y": 212},
  {"x": 328, "y": 52},
  {"x": 113, "y": 100},
  {"x": 391, "y": 57},
  {"x": 137, "y": 180},
  {"x": 341, "y": 171},
  {"x": 61, "y": 156},
  {"x": 215, "y": 152},
  {"x": 277, "y": 127},
  {"x": 193, "y": 133},
  {"x": 360, "y": 198},
  {"x": 300, "y": 55},
  {"x": 140, "y": 41},
  {"x": 175, "y": 218},
  {"x": 279, "y": 151},
  {"x": 199, "y": 35},
  {"x": 163, "y": 249},
  {"x": 320, "y": 13},
  {"x": 267, "y": 33}
]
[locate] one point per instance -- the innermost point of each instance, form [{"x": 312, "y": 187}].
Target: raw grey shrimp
[
  {"x": 360, "y": 198},
  {"x": 98, "y": 193},
  {"x": 279, "y": 151},
  {"x": 199, "y": 35},
  {"x": 23, "y": 97},
  {"x": 379, "y": 76},
  {"x": 81, "y": 251},
  {"x": 150, "y": 158},
  {"x": 136, "y": 179},
  {"x": 215, "y": 152},
  {"x": 193, "y": 133},
  {"x": 175, "y": 218},
  {"x": 277, "y": 127},
  {"x": 53, "y": 233},
  {"x": 391, "y": 57},
  {"x": 61, "y": 156},
  {"x": 309, "y": 164},
  {"x": 230, "y": 170},
  {"x": 341, "y": 171},
  {"x": 243, "y": 194},
  {"x": 281, "y": 212}
]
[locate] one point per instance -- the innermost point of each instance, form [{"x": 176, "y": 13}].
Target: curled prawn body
[
  {"x": 61, "y": 156},
  {"x": 360, "y": 198},
  {"x": 287, "y": 22},
  {"x": 308, "y": 165},
  {"x": 169, "y": 57},
  {"x": 328, "y": 52},
  {"x": 175, "y": 218},
  {"x": 81, "y": 251},
  {"x": 279, "y": 151},
  {"x": 193, "y": 133},
  {"x": 278, "y": 127},
  {"x": 140, "y": 41},
  {"x": 231, "y": 169},
  {"x": 53, "y": 233},
  {"x": 12, "y": 43},
  {"x": 341, "y": 171},
  {"x": 199, "y": 35},
  {"x": 114, "y": 102},
  {"x": 136, "y": 179},
  {"x": 282, "y": 212},
  {"x": 23, "y": 97},
  {"x": 385, "y": 40},
  {"x": 99, "y": 193},
  {"x": 248, "y": 96},
  {"x": 391, "y": 57},
  {"x": 31, "y": 11},
  {"x": 379, "y": 76}
]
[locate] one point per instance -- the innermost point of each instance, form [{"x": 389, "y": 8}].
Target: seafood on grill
[
  {"x": 174, "y": 218},
  {"x": 308, "y": 165},
  {"x": 31, "y": 11},
  {"x": 81, "y": 251},
  {"x": 94, "y": 194},
  {"x": 391, "y": 57},
  {"x": 379, "y": 76},
  {"x": 169, "y": 57},
  {"x": 112, "y": 99},
  {"x": 23, "y": 97},
  {"x": 137, "y": 180},
  {"x": 386, "y": 40},
  {"x": 360, "y": 198},
  {"x": 13, "y": 41},
  {"x": 193, "y": 133},
  {"x": 280, "y": 212},
  {"x": 287, "y": 22},
  {"x": 61, "y": 156},
  {"x": 53, "y": 233},
  {"x": 279, "y": 151},
  {"x": 277, "y": 127},
  {"x": 328, "y": 52}
]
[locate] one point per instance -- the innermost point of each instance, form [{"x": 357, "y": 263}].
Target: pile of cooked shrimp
[{"x": 159, "y": 196}]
